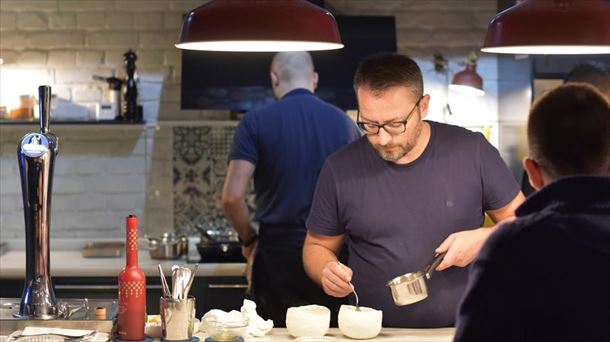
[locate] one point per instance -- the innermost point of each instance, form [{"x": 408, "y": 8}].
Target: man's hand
[
  {"x": 462, "y": 247},
  {"x": 248, "y": 252},
  {"x": 336, "y": 279}
]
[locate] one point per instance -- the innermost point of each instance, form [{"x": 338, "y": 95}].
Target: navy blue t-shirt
[
  {"x": 288, "y": 142},
  {"x": 396, "y": 215}
]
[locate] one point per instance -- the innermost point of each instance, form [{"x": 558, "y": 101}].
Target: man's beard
[{"x": 403, "y": 150}]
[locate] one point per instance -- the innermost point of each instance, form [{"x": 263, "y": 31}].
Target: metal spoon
[
  {"x": 164, "y": 286},
  {"x": 355, "y": 294},
  {"x": 190, "y": 281},
  {"x": 176, "y": 282}
]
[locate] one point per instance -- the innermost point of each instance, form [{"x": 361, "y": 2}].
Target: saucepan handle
[{"x": 433, "y": 264}]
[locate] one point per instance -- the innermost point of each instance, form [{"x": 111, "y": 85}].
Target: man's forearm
[
  {"x": 237, "y": 213},
  {"x": 315, "y": 258}
]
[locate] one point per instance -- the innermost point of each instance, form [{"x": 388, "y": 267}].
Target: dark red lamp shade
[
  {"x": 551, "y": 27},
  {"x": 468, "y": 81},
  {"x": 259, "y": 25}
]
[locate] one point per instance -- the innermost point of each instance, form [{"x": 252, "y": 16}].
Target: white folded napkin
[{"x": 257, "y": 326}]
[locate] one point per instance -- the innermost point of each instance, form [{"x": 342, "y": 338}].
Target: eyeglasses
[{"x": 392, "y": 127}]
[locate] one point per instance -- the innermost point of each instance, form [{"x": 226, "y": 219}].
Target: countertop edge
[{"x": 73, "y": 264}]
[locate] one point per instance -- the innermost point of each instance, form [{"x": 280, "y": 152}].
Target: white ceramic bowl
[
  {"x": 362, "y": 324},
  {"x": 308, "y": 320}
]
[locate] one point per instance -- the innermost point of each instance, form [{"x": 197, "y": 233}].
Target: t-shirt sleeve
[
  {"x": 499, "y": 185},
  {"x": 324, "y": 214},
  {"x": 245, "y": 140}
]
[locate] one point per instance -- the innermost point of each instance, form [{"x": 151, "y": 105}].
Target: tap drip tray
[{"x": 74, "y": 309}]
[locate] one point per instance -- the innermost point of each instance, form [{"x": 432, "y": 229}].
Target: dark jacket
[{"x": 546, "y": 275}]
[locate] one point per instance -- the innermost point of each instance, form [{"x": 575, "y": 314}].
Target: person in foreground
[
  {"x": 546, "y": 275},
  {"x": 407, "y": 190},
  {"x": 282, "y": 146}
]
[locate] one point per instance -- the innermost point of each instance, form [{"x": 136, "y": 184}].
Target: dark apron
[{"x": 279, "y": 280}]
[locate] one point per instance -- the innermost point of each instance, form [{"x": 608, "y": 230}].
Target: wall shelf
[
  {"x": 72, "y": 122},
  {"x": 11, "y": 125}
]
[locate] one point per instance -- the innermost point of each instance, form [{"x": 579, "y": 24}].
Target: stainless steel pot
[
  {"x": 411, "y": 287},
  {"x": 170, "y": 246}
]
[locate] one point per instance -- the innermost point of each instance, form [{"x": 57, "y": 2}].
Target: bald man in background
[{"x": 283, "y": 146}]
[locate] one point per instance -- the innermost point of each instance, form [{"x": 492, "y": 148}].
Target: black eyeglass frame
[{"x": 361, "y": 124}]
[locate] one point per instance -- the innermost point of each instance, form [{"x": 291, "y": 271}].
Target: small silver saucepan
[{"x": 411, "y": 287}]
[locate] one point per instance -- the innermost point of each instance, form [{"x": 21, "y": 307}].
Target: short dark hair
[
  {"x": 382, "y": 71},
  {"x": 568, "y": 131}
]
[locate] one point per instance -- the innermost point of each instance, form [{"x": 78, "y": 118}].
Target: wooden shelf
[{"x": 72, "y": 122}]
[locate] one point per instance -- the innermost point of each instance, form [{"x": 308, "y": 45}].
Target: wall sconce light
[
  {"x": 468, "y": 80},
  {"x": 259, "y": 25},
  {"x": 551, "y": 27}
]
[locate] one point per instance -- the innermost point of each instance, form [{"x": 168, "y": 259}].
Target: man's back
[
  {"x": 288, "y": 142},
  {"x": 545, "y": 277}
]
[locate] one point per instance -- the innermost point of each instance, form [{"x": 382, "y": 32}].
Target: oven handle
[
  {"x": 227, "y": 286},
  {"x": 98, "y": 287}
]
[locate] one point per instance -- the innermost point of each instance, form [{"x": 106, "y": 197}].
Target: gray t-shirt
[{"x": 396, "y": 215}]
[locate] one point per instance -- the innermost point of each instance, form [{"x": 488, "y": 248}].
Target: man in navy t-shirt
[
  {"x": 407, "y": 190},
  {"x": 283, "y": 146}
]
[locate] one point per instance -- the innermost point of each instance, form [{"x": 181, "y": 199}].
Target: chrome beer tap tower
[{"x": 36, "y": 153}]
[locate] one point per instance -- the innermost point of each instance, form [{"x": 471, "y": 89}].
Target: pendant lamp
[
  {"x": 468, "y": 80},
  {"x": 563, "y": 27},
  {"x": 259, "y": 25}
]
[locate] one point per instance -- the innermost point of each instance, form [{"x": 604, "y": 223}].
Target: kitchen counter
[
  {"x": 71, "y": 263},
  {"x": 276, "y": 335},
  {"x": 387, "y": 334}
]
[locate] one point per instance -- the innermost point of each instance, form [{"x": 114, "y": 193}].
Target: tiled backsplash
[{"x": 199, "y": 167}]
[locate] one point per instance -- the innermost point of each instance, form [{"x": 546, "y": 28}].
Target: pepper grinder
[{"x": 130, "y": 89}]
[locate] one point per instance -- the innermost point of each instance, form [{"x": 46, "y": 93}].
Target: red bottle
[{"x": 132, "y": 289}]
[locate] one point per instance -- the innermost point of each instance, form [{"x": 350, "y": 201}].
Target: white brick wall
[
  {"x": 91, "y": 21},
  {"x": 112, "y": 39},
  {"x": 120, "y": 20},
  {"x": 103, "y": 174},
  {"x": 62, "y": 21},
  {"x": 32, "y": 21},
  {"x": 53, "y": 40},
  {"x": 89, "y": 58},
  {"x": 98, "y": 181},
  {"x": 27, "y": 5},
  {"x": 8, "y": 22},
  {"x": 61, "y": 58}
]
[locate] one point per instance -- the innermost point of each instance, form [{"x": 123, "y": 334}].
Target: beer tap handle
[{"x": 44, "y": 104}]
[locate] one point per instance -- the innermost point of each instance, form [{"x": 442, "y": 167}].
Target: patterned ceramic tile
[{"x": 200, "y": 167}]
